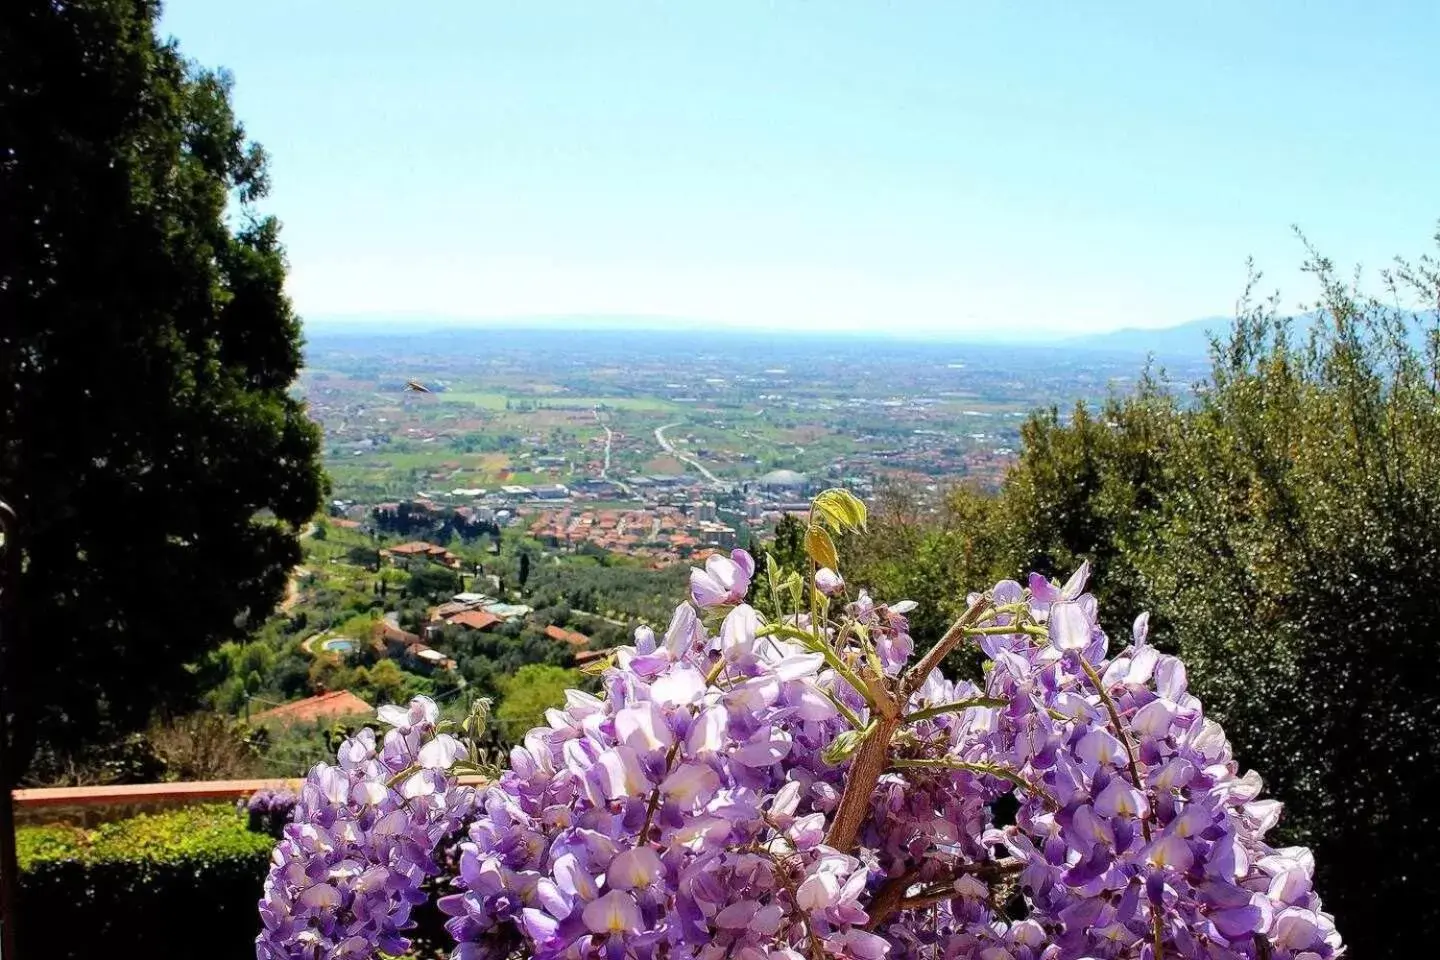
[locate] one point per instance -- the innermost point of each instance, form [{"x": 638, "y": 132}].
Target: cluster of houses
[
  {"x": 662, "y": 534},
  {"x": 473, "y": 611}
]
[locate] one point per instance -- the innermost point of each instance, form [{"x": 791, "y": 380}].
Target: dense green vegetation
[
  {"x": 148, "y": 439},
  {"x": 526, "y": 695},
  {"x": 343, "y": 590},
  {"x": 610, "y": 586},
  {"x": 1284, "y": 530},
  {"x": 155, "y": 885}
]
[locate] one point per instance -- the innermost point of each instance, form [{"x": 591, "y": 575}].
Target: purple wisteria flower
[
  {"x": 794, "y": 787},
  {"x": 268, "y": 810},
  {"x": 829, "y": 582},
  {"x": 349, "y": 868},
  {"x": 725, "y": 580}
]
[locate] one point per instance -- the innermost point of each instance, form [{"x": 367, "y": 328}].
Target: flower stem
[
  {"x": 870, "y": 761},
  {"x": 654, "y": 802},
  {"x": 958, "y": 631},
  {"x": 954, "y": 707},
  {"x": 1120, "y": 732}
]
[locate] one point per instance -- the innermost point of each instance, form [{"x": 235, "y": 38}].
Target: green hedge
[{"x": 179, "y": 884}]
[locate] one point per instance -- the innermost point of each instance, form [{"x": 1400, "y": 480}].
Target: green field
[
  {"x": 638, "y": 404},
  {"x": 486, "y": 400},
  {"x": 491, "y": 400}
]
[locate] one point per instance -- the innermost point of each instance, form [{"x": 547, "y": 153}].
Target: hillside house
[
  {"x": 393, "y": 641},
  {"x": 474, "y": 619},
  {"x": 406, "y": 554},
  {"x": 422, "y": 654},
  {"x": 327, "y": 706},
  {"x": 561, "y": 635}
]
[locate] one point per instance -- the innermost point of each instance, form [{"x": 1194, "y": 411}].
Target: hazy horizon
[
  {"x": 419, "y": 323},
  {"x": 936, "y": 169}
]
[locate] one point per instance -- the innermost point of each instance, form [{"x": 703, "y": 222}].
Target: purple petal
[
  {"x": 1069, "y": 626},
  {"x": 616, "y": 912}
]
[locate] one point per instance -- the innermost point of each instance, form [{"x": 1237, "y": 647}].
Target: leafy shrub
[{"x": 177, "y": 884}]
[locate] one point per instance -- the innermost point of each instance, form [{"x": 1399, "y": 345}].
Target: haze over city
[{"x": 923, "y": 168}]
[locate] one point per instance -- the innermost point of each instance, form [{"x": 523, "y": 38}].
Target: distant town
[{"x": 662, "y": 447}]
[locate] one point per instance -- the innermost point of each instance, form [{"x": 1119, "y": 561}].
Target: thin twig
[
  {"x": 916, "y": 675},
  {"x": 890, "y": 899},
  {"x": 954, "y": 707}
]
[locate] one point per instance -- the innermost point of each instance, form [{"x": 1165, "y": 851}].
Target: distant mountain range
[
  {"x": 1191, "y": 339},
  {"x": 1185, "y": 341}
]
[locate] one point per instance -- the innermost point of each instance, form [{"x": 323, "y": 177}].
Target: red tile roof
[
  {"x": 562, "y": 635},
  {"x": 337, "y": 703},
  {"x": 416, "y": 547},
  {"x": 394, "y": 634},
  {"x": 475, "y": 619}
]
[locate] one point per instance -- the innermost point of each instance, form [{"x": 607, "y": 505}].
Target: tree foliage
[
  {"x": 528, "y": 693},
  {"x": 147, "y": 436},
  {"x": 1283, "y": 527}
]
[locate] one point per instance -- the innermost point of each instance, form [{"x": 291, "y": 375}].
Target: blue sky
[{"x": 956, "y": 168}]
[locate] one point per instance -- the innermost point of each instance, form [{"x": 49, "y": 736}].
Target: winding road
[
  {"x": 292, "y": 586},
  {"x": 685, "y": 458},
  {"x": 609, "y": 439}
]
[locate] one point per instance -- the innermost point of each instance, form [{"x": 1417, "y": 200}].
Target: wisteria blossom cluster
[
  {"x": 352, "y": 864},
  {"x": 268, "y": 810},
  {"x": 799, "y": 785}
]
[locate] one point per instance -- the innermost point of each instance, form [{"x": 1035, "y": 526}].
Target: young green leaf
[
  {"x": 820, "y": 547},
  {"x": 844, "y": 745},
  {"x": 840, "y": 509},
  {"x": 599, "y": 665}
]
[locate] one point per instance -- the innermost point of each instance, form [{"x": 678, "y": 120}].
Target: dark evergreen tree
[{"x": 148, "y": 437}]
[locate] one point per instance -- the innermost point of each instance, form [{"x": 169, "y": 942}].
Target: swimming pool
[{"x": 339, "y": 645}]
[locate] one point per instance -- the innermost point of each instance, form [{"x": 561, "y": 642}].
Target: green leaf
[
  {"x": 794, "y": 584},
  {"x": 820, "y": 547},
  {"x": 844, "y": 745},
  {"x": 841, "y": 509}
]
